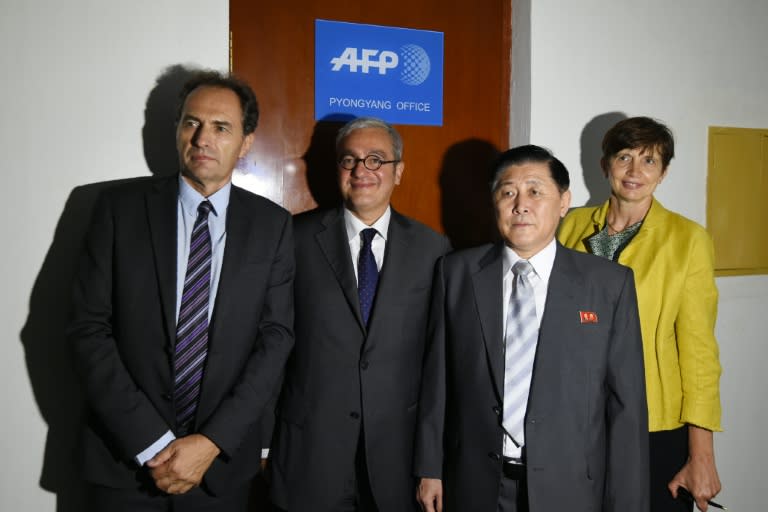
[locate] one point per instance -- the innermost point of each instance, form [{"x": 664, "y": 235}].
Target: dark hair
[
  {"x": 248, "y": 103},
  {"x": 639, "y": 133},
  {"x": 530, "y": 153},
  {"x": 372, "y": 122}
]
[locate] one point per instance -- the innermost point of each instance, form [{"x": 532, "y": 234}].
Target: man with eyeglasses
[{"x": 346, "y": 417}]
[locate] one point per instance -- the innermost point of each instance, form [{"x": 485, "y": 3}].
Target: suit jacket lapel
[
  {"x": 335, "y": 247},
  {"x": 489, "y": 293},
  {"x": 162, "y": 207},
  {"x": 238, "y": 227},
  {"x": 655, "y": 225},
  {"x": 565, "y": 285},
  {"x": 241, "y": 248},
  {"x": 394, "y": 272}
]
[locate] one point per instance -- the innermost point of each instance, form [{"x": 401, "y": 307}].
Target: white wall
[
  {"x": 692, "y": 64},
  {"x": 75, "y": 81}
]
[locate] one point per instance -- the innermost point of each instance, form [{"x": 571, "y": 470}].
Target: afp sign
[{"x": 369, "y": 70}]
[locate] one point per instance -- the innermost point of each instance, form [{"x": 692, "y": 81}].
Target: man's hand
[
  {"x": 699, "y": 475},
  {"x": 430, "y": 494},
  {"x": 181, "y": 465}
]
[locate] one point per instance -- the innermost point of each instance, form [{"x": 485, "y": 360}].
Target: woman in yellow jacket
[{"x": 673, "y": 259}]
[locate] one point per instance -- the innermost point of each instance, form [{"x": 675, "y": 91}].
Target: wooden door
[{"x": 446, "y": 167}]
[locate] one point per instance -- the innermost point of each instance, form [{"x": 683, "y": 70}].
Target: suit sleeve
[
  {"x": 696, "y": 344},
  {"x": 428, "y": 457},
  {"x": 626, "y": 409},
  {"x": 257, "y": 384},
  {"x": 122, "y": 408},
  {"x": 268, "y": 420}
]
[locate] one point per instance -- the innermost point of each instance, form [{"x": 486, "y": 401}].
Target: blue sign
[{"x": 368, "y": 70}]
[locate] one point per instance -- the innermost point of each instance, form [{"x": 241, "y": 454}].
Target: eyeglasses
[{"x": 371, "y": 162}]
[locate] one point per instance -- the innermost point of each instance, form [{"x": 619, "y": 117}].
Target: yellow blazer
[{"x": 673, "y": 261}]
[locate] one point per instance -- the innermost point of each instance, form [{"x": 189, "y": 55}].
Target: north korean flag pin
[{"x": 588, "y": 317}]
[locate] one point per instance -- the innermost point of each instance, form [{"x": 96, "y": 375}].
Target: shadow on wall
[
  {"x": 49, "y": 364},
  {"x": 466, "y": 206},
  {"x": 591, "y": 153},
  {"x": 159, "y": 131},
  {"x": 320, "y": 160},
  {"x": 50, "y": 367}
]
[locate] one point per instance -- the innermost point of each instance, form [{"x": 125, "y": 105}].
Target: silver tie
[{"x": 522, "y": 332}]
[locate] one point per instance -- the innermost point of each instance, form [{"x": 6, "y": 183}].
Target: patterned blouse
[{"x": 610, "y": 246}]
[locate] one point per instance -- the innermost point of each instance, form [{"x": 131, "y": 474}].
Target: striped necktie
[
  {"x": 367, "y": 274},
  {"x": 522, "y": 332},
  {"x": 192, "y": 327}
]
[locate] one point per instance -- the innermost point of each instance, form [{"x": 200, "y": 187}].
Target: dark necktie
[
  {"x": 520, "y": 349},
  {"x": 192, "y": 327},
  {"x": 367, "y": 274}
]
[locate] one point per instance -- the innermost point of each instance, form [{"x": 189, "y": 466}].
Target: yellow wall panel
[{"x": 737, "y": 199}]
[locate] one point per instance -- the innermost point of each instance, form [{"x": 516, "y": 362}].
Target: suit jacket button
[
  {"x": 364, "y": 365},
  {"x": 494, "y": 456},
  {"x": 497, "y": 409},
  {"x": 354, "y": 415},
  {"x": 167, "y": 396}
]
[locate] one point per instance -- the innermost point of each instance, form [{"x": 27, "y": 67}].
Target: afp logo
[{"x": 412, "y": 60}]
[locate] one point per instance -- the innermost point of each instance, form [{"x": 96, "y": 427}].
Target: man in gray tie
[
  {"x": 183, "y": 320},
  {"x": 533, "y": 394},
  {"x": 347, "y": 414}
]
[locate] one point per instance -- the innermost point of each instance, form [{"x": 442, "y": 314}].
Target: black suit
[
  {"x": 125, "y": 322},
  {"x": 585, "y": 427},
  {"x": 343, "y": 377}
]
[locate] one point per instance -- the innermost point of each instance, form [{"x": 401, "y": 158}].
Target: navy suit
[{"x": 124, "y": 327}]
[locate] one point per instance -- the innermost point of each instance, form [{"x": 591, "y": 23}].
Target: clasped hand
[{"x": 181, "y": 465}]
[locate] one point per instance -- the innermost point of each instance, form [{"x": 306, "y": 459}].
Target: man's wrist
[{"x": 154, "y": 448}]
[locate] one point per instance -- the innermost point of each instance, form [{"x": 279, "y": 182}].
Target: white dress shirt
[
  {"x": 542, "y": 263},
  {"x": 355, "y": 226}
]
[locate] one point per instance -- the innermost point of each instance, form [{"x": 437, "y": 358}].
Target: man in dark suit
[
  {"x": 533, "y": 395},
  {"x": 347, "y": 414},
  {"x": 183, "y": 320}
]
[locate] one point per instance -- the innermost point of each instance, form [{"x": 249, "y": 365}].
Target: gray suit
[
  {"x": 586, "y": 424},
  {"x": 342, "y": 377}
]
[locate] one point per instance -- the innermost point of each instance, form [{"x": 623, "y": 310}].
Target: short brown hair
[{"x": 640, "y": 133}]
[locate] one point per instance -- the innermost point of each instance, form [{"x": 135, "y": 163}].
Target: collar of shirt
[
  {"x": 541, "y": 262},
  {"x": 355, "y": 226},
  {"x": 190, "y": 199}
]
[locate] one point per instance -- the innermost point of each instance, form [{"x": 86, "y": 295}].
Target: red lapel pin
[{"x": 588, "y": 317}]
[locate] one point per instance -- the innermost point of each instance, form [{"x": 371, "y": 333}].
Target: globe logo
[{"x": 415, "y": 64}]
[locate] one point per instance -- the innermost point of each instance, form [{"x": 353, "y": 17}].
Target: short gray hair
[{"x": 372, "y": 122}]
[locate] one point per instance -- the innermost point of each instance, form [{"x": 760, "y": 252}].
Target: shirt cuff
[
  {"x": 155, "y": 448},
  {"x": 265, "y": 453}
]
